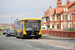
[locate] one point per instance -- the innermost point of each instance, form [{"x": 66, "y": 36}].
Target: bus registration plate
[{"x": 32, "y": 35}]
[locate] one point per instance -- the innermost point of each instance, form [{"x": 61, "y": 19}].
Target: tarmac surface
[{"x": 12, "y": 43}]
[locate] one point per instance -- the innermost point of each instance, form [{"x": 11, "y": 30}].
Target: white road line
[
  {"x": 17, "y": 39},
  {"x": 21, "y": 43},
  {"x": 28, "y": 45},
  {"x": 37, "y": 48}
]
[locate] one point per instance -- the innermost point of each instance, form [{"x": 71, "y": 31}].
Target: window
[
  {"x": 47, "y": 19},
  {"x": 70, "y": 25},
  {"x": 16, "y": 24},
  {"x": 34, "y": 25},
  {"x": 52, "y": 25},
  {"x": 61, "y": 17},
  {"x": 48, "y": 26},
  {"x": 66, "y": 17},
  {"x": 57, "y": 17},
  {"x": 70, "y": 16},
  {"x": 74, "y": 25},
  {"x": 73, "y": 10},
  {"x": 20, "y": 25},
  {"x": 53, "y": 17},
  {"x": 57, "y": 26}
]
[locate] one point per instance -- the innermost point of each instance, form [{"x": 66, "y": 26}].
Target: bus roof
[{"x": 29, "y": 19}]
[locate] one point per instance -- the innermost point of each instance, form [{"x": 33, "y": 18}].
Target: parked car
[
  {"x": 10, "y": 32},
  {"x": 65, "y": 28},
  {"x": 74, "y": 28},
  {"x": 4, "y": 31}
]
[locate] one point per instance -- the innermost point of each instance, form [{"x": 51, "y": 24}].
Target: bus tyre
[
  {"x": 3, "y": 33},
  {"x": 6, "y": 35},
  {"x": 16, "y": 35},
  {"x": 21, "y": 36},
  {"x": 36, "y": 37}
]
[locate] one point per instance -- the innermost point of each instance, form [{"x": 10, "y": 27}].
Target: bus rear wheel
[
  {"x": 16, "y": 35},
  {"x": 21, "y": 36}
]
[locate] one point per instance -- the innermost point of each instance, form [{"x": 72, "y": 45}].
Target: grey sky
[{"x": 24, "y": 9}]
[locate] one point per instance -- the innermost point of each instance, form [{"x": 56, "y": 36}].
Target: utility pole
[
  {"x": 11, "y": 21},
  {"x": 38, "y": 9}
]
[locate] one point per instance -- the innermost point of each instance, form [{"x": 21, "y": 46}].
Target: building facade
[
  {"x": 60, "y": 17},
  {"x": 4, "y": 24}
]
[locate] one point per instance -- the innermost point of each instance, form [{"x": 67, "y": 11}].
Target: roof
[
  {"x": 58, "y": 10},
  {"x": 29, "y": 19},
  {"x": 71, "y": 11},
  {"x": 61, "y": 8},
  {"x": 47, "y": 9},
  {"x": 45, "y": 16},
  {"x": 52, "y": 11},
  {"x": 70, "y": 3}
]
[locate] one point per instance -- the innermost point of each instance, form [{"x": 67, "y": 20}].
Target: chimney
[
  {"x": 50, "y": 7},
  {"x": 59, "y": 3},
  {"x": 68, "y": 2}
]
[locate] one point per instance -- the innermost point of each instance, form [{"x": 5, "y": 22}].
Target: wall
[
  {"x": 62, "y": 33},
  {"x": 44, "y": 31}
]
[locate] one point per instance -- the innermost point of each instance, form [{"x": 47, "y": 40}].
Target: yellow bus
[{"x": 28, "y": 28}]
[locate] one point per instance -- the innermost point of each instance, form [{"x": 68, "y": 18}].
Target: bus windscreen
[{"x": 32, "y": 25}]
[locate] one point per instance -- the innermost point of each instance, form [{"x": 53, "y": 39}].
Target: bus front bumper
[{"x": 39, "y": 36}]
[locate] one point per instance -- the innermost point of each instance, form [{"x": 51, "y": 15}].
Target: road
[{"x": 12, "y": 43}]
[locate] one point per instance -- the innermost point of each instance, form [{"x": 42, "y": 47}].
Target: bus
[{"x": 28, "y": 28}]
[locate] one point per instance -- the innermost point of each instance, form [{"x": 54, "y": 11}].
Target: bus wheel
[
  {"x": 6, "y": 35},
  {"x": 16, "y": 35},
  {"x": 21, "y": 36},
  {"x": 36, "y": 37}
]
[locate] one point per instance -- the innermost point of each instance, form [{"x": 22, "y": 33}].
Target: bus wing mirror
[{"x": 21, "y": 22}]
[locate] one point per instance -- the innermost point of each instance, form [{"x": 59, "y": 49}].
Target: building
[
  {"x": 61, "y": 16},
  {"x": 4, "y": 24}
]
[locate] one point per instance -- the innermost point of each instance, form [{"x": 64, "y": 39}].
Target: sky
[{"x": 19, "y": 9}]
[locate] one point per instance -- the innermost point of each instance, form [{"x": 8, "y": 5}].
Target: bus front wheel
[{"x": 36, "y": 37}]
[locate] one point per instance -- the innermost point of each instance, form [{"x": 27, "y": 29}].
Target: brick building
[{"x": 61, "y": 16}]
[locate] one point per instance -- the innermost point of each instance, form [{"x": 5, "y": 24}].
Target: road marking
[
  {"x": 28, "y": 45},
  {"x": 37, "y": 48},
  {"x": 21, "y": 43},
  {"x": 17, "y": 39}
]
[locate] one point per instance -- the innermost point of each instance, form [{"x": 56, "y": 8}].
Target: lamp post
[
  {"x": 11, "y": 21},
  {"x": 38, "y": 9}
]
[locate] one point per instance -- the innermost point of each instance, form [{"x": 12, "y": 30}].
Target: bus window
[{"x": 35, "y": 26}]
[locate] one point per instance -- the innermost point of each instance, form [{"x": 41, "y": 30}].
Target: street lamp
[{"x": 38, "y": 9}]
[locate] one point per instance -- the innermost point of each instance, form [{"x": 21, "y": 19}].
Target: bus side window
[
  {"x": 17, "y": 23},
  {"x": 22, "y": 26}
]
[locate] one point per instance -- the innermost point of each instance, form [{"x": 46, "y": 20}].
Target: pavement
[{"x": 55, "y": 37}]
